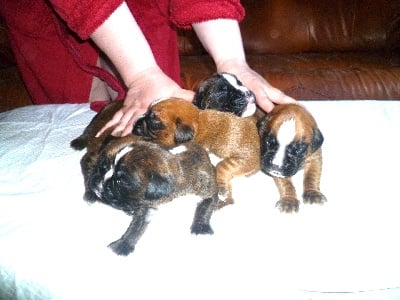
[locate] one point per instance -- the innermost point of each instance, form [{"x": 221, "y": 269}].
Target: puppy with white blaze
[
  {"x": 290, "y": 140},
  {"x": 136, "y": 176}
]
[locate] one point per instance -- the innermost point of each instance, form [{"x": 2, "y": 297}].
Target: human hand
[
  {"x": 266, "y": 94},
  {"x": 146, "y": 87}
]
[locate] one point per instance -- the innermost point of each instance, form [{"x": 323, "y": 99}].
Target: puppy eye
[
  {"x": 121, "y": 178},
  {"x": 270, "y": 142},
  {"x": 155, "y": 124},
  {"x": 297, "y": 149}
]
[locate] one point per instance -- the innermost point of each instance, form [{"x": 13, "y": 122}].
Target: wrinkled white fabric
[{"x": 53, "y": 245}]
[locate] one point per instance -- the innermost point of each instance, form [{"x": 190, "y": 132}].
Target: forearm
[
  {"x": 122, "y": 40},
  {"x": 222, "y": 40}
]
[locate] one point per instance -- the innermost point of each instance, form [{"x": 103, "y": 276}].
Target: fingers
[
  {"x": 114, "y": 121},
  {"x": 126, "y": 120},
  {"x": 126, "y": 128},
  {"x": 277, "y": 96},
  {"x": 267, "y": 96},
  {"x": 272, "y": 96},
  {"x": 186, "y": 94},
  {"x": 123, "y": 122}
]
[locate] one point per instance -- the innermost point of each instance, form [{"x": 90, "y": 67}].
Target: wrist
[
  {"x": 222, "y": 40},
  {"x": 146, "y": 74},
  {"x": 232, "y": 65}
]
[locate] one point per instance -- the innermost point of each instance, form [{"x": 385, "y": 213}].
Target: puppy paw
[
  {"x": 288, "y": 205},
  {"x": 223, "y": 192},
  {"x": 121, "y": 247},
  {"x": 201, "y": 228},
  {"x": 90, "y": 196},
  {"x": 312, "y": 197},
  {"x": 222, "y": 203}
]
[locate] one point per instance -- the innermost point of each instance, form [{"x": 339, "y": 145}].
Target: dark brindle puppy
[
  {"x": 136, "y": 176},
  {"x": 284, "y": 150}
]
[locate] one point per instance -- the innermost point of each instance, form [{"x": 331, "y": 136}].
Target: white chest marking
[
  {"x": 214, "y": 159},
  {"x": 178, "y": 149},
  {"x": 285, "y": 136},
  {"x": 233, "y": 82}
]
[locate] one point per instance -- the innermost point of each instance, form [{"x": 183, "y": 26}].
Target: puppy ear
[
  {"x": 158, "y": 186},
  {"x": 261, "y": 124},
  {"x": 317, "y": 140},
  {"x": 183, "y": 133}
]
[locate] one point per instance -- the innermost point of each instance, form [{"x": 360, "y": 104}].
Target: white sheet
[{"x": 53, "y": 245}]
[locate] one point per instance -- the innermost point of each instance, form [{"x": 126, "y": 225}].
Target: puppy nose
[
  {"x": 249, "y": 95},
  {"x": 275, "y": 170},
  {"x": 138, "y": 128}
]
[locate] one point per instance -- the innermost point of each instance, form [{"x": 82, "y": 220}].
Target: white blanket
[{"x": 53, "y": 245}]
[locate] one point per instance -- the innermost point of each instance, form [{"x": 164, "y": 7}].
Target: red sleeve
[
  {"x": 185, "y": 12},
  {"x": 84, "y": 16}
]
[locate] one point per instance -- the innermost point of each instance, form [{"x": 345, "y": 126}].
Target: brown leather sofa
[{"x": 310, "y": 49}]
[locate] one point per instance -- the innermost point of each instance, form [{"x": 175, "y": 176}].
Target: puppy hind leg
[
  {"x": 225, "y": 171},
  {"x": 126, "y": 244},
  {"x": 228, "y": 169},
  {"x": 288, "y": 202},
  {"x": 202, "y": 216},
  {"x": 311, "y": 181}
]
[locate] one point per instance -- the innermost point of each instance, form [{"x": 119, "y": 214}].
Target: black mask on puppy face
[
  {"x": 282, "y": 165},
  {"x": 224, "y": 92},
  {"x": 147, "y": 125},
  {"x": 128, "y": 181}
]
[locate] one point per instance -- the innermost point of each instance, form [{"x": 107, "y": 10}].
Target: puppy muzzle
[
  {"x": 114, "y": 197},
  {"x": 277, "y": 171},
  {"x": 251, "y": 104},
  {"x": 147, "y": 126}
]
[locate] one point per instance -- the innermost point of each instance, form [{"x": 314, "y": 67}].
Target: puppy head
[
  {"x": 224, "y": 92},
  {"x": 169, "y": 122},
  {"x": 289, "y": 134},
  {"x": 137, "y": 175}
]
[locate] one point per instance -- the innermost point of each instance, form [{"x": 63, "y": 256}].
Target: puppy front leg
[
  {"x": 288, "y": 199},
  {"x": 126, "y": 244},
  {"x": 312, "y": 176},
  {"x": 202, "y": 216},
  {"x": 88, "y": 164}
]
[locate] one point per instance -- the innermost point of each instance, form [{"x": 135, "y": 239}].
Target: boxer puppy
[
  {"x": 225, "y": 92},
  {"x": 233, "y": 139},
  {"x": 290, "y": 141},
  {"x": 136, "y": 176}
]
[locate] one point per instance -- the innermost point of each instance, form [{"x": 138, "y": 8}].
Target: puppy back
[{"x": 226, "y": 134}]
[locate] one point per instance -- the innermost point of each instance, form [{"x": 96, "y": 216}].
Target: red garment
[{"x": 56, "y": 57}]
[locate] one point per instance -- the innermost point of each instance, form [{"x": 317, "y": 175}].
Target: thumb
[{"x": 185, "y": 94}]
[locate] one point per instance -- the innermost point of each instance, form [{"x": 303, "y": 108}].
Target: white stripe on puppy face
[
  {"x": 119, "y": 155},
  {"x": 233, "y": 82},
  {"x": 285, "y": 136}
]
